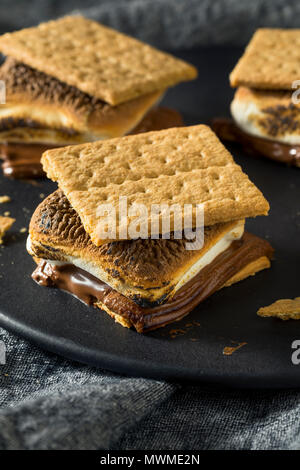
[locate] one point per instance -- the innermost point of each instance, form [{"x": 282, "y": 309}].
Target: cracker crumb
[
  {"x": 229, "y": 350},
  {"x": 4, "y": 199},
  {"x": 23, "y": 230},
  {"x": 5, "y": 224},
  {"x": 175, "y": 332},
  {"x": 42, "y": 195},
  {"x": 285, "y": 309},
  {"x": 7, "y": 214}
]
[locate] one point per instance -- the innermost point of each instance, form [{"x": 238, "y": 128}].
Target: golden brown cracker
[
  {"x": 186, "y": 165},
  {"x": 250, "y": 270},
  {"x": 271, "y": 60},
  {"x": 96, "y": 59}
]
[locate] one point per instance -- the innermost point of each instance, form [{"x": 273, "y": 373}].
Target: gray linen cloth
[
  {"x": 164, "y": 23},
  {"x": 47, "y": 402}
]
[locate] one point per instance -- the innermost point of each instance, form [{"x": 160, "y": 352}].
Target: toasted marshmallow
[
  {"x": 29, "y": 135},
  {"x": 224, "y": 238},
  {"x": 233, "y": 233},
  {"x": 40, "y": 108},
  {"x": 230, "y": 233},
  {"x": 267, "y": 114},
  {"x": 130, "y": 266}
]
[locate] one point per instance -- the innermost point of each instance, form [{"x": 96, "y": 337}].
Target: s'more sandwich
[
  {"x": 150, "y": 281},
  {"x": 72, "y": 81},
  {"x": 265, "y": 108}
]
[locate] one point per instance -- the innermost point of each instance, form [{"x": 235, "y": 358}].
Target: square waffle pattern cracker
[
  {"x": 97, "y": 60},
  {"x": 271, "y": 60},
  {"x": 187, "y": 165}
]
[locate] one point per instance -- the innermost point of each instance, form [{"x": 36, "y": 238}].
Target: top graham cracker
[
  {"x": 271, "y": 60},
  {"x": 97, "y": 60},
  {"x": 186, "y": 165}
]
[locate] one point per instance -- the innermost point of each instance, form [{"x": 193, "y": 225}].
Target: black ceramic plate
[{"x": 191, "y": 349}]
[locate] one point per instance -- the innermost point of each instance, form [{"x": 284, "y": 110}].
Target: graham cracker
[
  {"x": 285, "y": 309},
  {"x": 271, "y": 60},
  {"x": 5, "y": 224},
  {"x": 97, "y": 60},
  {"x": 249, "y": 270},
  {"x": 186, "y": 165}
]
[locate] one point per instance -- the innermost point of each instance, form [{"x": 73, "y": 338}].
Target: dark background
[{"x": 169, "y": 24}]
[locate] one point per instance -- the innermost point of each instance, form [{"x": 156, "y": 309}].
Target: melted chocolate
[
  {"x": 226, "y": 129},
  {"x": 157, "y": 119},
  {"x": 23, "y": 160},
  {"x": 211, "y": 278}
]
